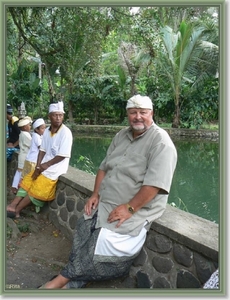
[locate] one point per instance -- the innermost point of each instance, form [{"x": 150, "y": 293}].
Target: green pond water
[{"x": 195, "y": 186}]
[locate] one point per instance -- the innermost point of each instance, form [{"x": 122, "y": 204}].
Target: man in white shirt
[{"x": 39, "y": 186}]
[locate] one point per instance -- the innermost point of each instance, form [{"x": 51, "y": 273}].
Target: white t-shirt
[
  {"x": 32, "y": 155},
  {"x": 58, "y": 144}
]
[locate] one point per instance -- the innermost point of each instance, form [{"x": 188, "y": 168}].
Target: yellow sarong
[
  {"x": 42, "y": 188},
  {"x": 28, "y": 167}
]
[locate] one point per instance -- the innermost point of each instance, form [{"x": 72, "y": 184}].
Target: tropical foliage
[{"x": 95, "y": 58}]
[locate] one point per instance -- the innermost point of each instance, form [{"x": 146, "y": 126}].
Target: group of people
[
  {"x": 47, "y": 158},
  {"x": 130, "y": 191},
  {"x": 19, "y": 138}
]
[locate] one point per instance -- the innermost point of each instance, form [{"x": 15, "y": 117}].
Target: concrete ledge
[
  {"x": 79, "y": 180},
  {"x": 198, "y": 234},
  {"x": 188, "y": 229}
]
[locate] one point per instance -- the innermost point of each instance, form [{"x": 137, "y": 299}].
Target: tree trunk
[
  {"x": 52, "y": 92},
  {"x": 95, "y": 115},
  {"x": 70, "y": 113},
  {"x": 176, "y": 118},
  {"x": 70, "y": 103},
  {"x": 123, "y": 112},
  {"x": 133, "y": 89}
]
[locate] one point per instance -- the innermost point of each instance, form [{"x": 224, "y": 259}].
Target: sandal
[{"x": 11, "y": 214}]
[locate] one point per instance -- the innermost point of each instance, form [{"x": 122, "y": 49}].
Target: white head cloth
[
  {"x": 139, "y": 101},
  {"x": 38, "y": 123},
  {"x": 56, "y": 107},
  {"x": 24, "y": 121}
]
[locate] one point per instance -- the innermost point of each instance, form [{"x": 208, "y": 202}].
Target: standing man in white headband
[
  {"x": 39, "y": 185},
  {"x": 130, "y": 192}
]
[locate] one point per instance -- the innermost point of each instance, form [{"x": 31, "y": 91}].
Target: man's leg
[
  {"x": 22, "y": 204},
  {"x": 12, "y": 206},
  {"x": 58, "y": 282}
]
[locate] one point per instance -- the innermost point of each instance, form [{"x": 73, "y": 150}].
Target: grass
[
  {"x": 24, "y": 227},
  {"x": 9, "y": 232},
  {"x": 210, "y": 126}
]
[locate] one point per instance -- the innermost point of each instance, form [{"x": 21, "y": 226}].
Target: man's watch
[{"x": 130, "y": 209}]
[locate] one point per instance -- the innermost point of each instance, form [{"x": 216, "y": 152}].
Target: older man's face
[
  {"x": 140, "y": 119},
  {"x": 56, "y": 118}
]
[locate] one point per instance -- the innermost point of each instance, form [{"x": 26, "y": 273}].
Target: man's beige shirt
[{"x": 150, "y": 159}]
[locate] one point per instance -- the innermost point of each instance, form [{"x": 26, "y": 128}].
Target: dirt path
[{"x": 36, "y": 251}]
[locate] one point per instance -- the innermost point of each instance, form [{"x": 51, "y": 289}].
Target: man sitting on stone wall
[{"x": 130, "y": 192}]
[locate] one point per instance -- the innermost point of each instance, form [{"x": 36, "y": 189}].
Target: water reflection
[{"x": 195, "y": 186}]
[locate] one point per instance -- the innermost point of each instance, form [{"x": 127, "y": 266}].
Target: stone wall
[{"x": 181, "y": 249}]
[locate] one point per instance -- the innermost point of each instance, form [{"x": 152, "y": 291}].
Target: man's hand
[
  {"x": 92, "y": 203},
  {"x": 44, "y": 166},
  {"x": 120, "y": 213},
  {"x": 39, "y": 169},
  {"x": 36, "y": 173}
]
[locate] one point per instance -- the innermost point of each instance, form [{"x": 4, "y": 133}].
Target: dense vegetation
[{"x": 95, "y": 58}]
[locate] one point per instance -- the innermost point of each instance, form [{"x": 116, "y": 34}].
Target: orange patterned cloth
[{"x": 42, "y": 188}]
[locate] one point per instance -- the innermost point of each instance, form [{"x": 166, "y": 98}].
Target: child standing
[
  {"x": 24, "y": 145},
  {"x": 32, "y": 155}
]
